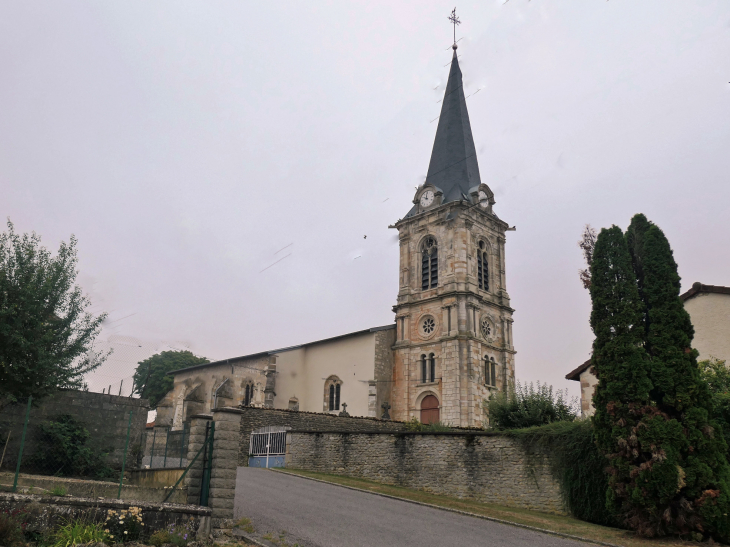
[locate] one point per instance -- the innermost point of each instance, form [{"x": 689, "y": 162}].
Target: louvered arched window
[
  {"x": 429, "y": 264},
  {"x": 490, "y": 371},
  {"x": 483, "y": 266}
]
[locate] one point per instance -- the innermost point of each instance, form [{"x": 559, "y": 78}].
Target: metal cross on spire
[{"x": 455, "y": 20}]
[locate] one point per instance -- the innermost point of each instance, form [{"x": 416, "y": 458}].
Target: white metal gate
[{"x": 267, "y": 447}]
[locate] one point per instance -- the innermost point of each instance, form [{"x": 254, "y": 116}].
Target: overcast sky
[{"x": 190, "y": 146}]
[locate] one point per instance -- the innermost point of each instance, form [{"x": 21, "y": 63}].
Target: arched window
[
  {"x": 332, "y": 388},
  {"x": 483, "y": 267},
  {"x": 248, "y": 395},
  {"x": 424, "y": 373},
  {"x": 490, "y": 371},
  {"x": 429, "y": 264},
  {"x": 432, "y": 367}
]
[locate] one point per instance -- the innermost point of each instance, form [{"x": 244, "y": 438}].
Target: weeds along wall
[
  {"x": 105, "y": 417},
  {"x": 489, "y": 467}
]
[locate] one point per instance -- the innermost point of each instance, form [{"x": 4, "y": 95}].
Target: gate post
[
  {"x": 224, "y": 462},
  {"x": 196, "y": 439}
]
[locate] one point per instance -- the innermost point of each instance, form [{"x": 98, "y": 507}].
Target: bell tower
[{"x": 453, "y": 344}]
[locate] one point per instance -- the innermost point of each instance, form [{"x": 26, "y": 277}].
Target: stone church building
[{"x": 451, "y": 344}]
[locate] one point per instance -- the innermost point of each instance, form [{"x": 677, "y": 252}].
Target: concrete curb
[
  {"x": 457, "y": 511},
  {"x": 250, "y": 539}
]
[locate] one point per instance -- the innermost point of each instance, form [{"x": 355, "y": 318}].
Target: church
[{"x": 450, "y": 346}]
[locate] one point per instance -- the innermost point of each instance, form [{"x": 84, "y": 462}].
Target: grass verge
[{"x": 545, "y": 521}]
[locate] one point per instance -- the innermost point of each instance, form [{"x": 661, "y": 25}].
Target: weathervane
[{"x": 454, "y": 19}]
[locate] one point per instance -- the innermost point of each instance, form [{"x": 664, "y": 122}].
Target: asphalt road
[{"x": 315, "y": 514}]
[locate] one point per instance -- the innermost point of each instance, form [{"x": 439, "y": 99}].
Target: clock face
[
  {"x": 426, "y": 198},
  {"x": 483, "y": 201}
]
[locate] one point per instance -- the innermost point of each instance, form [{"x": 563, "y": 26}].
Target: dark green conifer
[
  {"x": 696, "y": 498},
  {"x": 621, "y": 365}
]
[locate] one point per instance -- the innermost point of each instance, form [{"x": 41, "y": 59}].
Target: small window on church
[
  {"x": 424, "y": 375},
  {"x": 432, "y": 367},
  {"x": 332, "y": 393},
  {"x": 482, "y": 267},
  {"x": 429, "y": 264},
  {"x": 248, "y": 395}
]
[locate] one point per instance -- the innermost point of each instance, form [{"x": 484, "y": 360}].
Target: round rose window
[
  {"x": 486, "y": 327},
  {"x": 429, "y": 325}
]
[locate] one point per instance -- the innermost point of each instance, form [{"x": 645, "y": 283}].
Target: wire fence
[
  {"x": 61, "y": 443},
  {"x": 165, "y": 447}
]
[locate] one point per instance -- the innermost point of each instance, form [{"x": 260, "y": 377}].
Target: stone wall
[
  {"x": 255, "y": 418},
  {"x": 384, "y": 340},
  {"x": 45, "y": 513},
  {"x": 483, "y": 466},
  {"x": 105, "y": 416}
]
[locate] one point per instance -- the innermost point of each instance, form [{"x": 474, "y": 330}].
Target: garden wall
[
  {"x": 105, "y": 417},
  {"x": 483, "y": 466},
  {"x": 44, "y": 513},
  {"x": 254, "y": 418}
]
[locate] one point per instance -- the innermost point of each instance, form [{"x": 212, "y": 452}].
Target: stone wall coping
[
  {"x": 229, "y": 409},
  {"x": 106, "y": 502},
  {"x": 201, "y": 416},
  {"x": 335, "y": 416},
  {"x": 467, "y": 433}
]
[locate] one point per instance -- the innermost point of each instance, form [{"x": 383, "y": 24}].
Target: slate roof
[{"x": 453, "y": 168}]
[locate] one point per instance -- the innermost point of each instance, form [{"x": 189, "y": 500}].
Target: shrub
[
  {"x": 716, "y": 374},
  {"x": 78, "y": 532},
  {"x": 416, "y": 425},
  {"x": 577, "y": 464},
  {"x": 11, "y": 528},
  {"x": 125, "y": 525},
  {"x": 160, "y": 538},
  {"x": 64, "y": 448},
  {"x": 527, "y": 406},
  {"x": 58, "y": 491}
]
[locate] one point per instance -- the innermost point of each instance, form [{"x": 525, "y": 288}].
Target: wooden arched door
[{"x": 429, "y": 409}]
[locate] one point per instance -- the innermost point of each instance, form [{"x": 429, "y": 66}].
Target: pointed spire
[{"x": 453, "y": 166}]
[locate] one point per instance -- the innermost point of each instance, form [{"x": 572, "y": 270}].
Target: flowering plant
[{"x": 125, "y": 525}]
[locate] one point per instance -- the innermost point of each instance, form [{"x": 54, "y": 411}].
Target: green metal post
[
  {"x": 207, "y": 466},
  {"x": 152, "y": 452},
  {"x": 124, "y": 457},
  {"x": 182, "y": 445},
  {"x": 22, "y": 444},
  {"x": 167, "y": 440}
]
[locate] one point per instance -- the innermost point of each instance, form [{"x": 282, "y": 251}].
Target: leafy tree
[
  {"x": 527, "y": 406},
  {"x": 64, "y": 449},
  {"x": 587, "y": 244},
  {"x": 46, "y": 332},
  {"x": 151, "y": 380},
  {"x": 701, "y": 503},
  {"x": 716, "y": 374}
]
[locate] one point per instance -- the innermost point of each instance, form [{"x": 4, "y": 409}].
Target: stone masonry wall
[
  {"x": 483, "y": 466},
  {"x": 255, "y": 418},
  {"x": 106, "y": 417}
]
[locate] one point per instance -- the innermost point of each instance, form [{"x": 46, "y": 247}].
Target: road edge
[{"x": 457, "y": 511}]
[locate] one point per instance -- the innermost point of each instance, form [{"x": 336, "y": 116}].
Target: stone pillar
[
  {"x": 226, "y": 445},
  {"x": 269, "y": 391},
  {"x": 195, "y": 441}
]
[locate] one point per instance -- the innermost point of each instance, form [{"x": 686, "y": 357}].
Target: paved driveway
[{"x": 325, "y": 515}]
